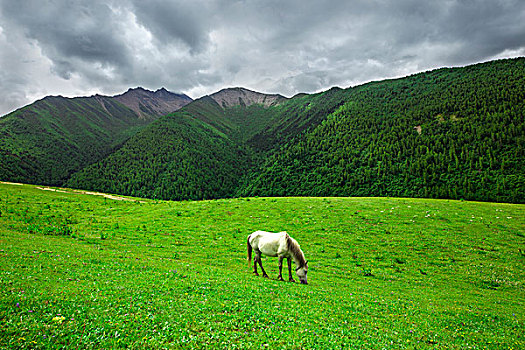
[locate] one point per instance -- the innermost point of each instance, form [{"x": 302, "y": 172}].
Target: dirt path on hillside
[
  {"x": 110, "y": 196},
  {"x": 51, "y": 189},
  {"x": 63, "y": 190}
]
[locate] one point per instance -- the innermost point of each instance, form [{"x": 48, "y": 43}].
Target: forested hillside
[
  {"x": 301, "y": 113},
  {"x": 450, "y": 133},
  {"x": 176, "y": 157}
]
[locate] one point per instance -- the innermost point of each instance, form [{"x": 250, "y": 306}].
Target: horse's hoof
[
  {"x": 292, "y": 280},
  {"x": 265, "y": 276},
  {"x": 256, "y": 274},
  {"x": 280, "y": 278}
]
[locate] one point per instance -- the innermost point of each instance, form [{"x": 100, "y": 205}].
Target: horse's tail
[{"x": 249, "y": 247}]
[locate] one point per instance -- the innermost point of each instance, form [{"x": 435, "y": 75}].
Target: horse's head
[{"x": 301, "y": 273}]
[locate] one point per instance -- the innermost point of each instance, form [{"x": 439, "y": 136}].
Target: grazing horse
[{"x": 277, "y": 244}]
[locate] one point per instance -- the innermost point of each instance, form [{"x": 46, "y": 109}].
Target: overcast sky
[{"x": 73, "y": 47}]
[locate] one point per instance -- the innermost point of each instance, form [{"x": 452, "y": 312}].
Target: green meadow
[{"x": 83, "y": 271}]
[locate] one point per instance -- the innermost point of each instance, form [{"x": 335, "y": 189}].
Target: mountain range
[{"x": 454, "y": 133}]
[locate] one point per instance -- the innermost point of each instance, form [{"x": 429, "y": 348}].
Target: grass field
[{"x": 84, "y": 271}]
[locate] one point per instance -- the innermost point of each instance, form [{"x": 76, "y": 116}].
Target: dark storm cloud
[
  {"x": 79, "y": 47},
  {"x": 175, "y": 21},
  {"x": 484, "y": 29},
  {"x": 69, "y": 30}
]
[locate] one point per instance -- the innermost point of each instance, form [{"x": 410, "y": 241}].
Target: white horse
[{"x": 277, "y": 244}]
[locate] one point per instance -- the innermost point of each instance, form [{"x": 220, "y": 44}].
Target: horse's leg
[
  {"x": 260, "y": 264},
  {"x": 290, "y": 270},
  {"x": 280, "y": 278},
  {"x": 257, "y": 256}
]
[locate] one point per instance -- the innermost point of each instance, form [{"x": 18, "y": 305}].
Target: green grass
[{"x": 83, "y": 271}]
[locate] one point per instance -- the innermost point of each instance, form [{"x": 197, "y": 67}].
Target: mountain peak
[
  {"x": 137, "y": 89},
  {"x": 146, "y": 102},
  {"x": 238, "y": 96},
  {"x": 143, "y": 91}
]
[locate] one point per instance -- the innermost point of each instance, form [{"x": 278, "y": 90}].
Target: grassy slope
[{"x": 445, "y": 274}]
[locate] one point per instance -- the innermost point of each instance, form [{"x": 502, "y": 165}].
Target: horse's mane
[{"x": 296, "y": 251}]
